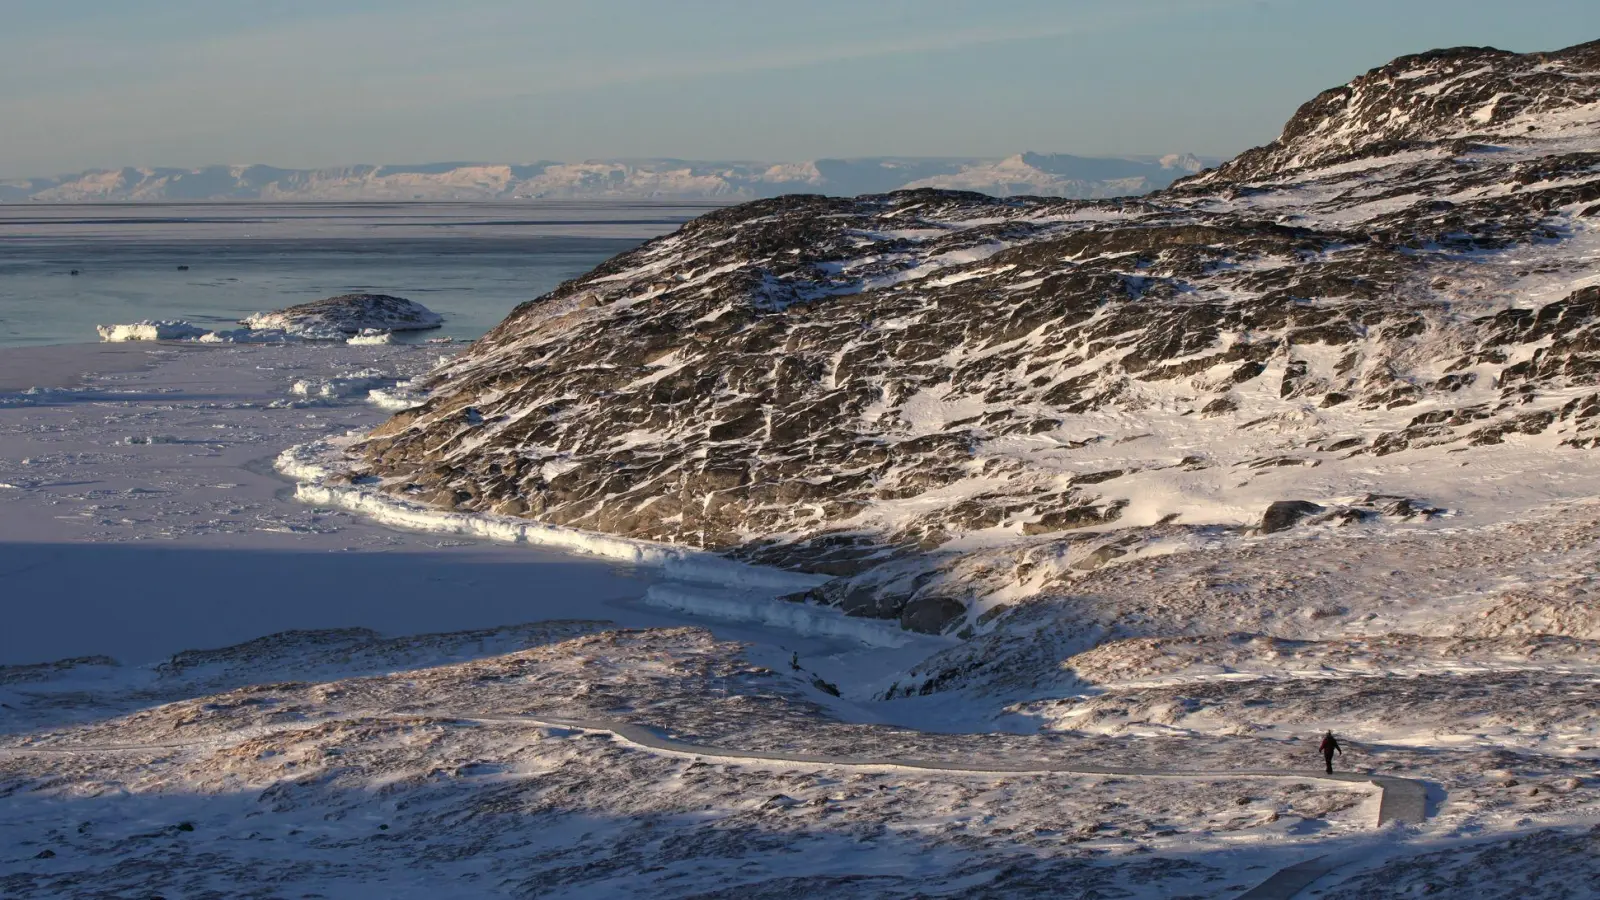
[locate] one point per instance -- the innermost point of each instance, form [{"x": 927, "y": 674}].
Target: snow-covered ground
[
  {"x": 141, "y": 517},
  {"x": 390, "y": 744}
]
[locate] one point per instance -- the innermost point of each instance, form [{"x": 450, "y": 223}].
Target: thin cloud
[{"x": 328, "y": 82}]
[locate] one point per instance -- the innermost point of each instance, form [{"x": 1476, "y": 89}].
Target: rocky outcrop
[
  {"x": 842, "y": 385},
  {"x": 1282, "y": 515},
  {"x": 351, "y": 318},
  {"x": 1418, "y": 101},
  {"x": 349, "y": 314}
]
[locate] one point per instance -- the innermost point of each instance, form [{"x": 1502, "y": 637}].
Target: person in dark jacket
[{"x": 1329, "y": 746}]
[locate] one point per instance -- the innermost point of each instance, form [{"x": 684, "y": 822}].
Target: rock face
[
  {"x": 844, "y": 386},
  {"x": 349, "y": 314},
  {"x": 1283, "y": 514}
]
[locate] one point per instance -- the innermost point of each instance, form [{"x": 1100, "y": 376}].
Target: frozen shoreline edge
[{"x": 306, "y": 465}]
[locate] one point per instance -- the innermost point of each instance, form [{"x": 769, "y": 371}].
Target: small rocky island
[
  {"x": 348, "y": 317},
  {"x": 349, "y": 314}
]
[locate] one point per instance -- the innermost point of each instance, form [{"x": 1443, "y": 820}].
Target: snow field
[
  {"x": 1080, "y": 828},
  {"x": 413, "y": 768}
]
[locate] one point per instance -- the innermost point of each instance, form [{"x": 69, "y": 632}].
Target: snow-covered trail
[
  {"x": 1289, "y": 881},
  {"x": 1401, "y": 800}
]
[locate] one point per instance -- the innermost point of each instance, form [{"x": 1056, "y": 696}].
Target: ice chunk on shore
[
  {"x": 184, "y": 331},
  {"x": 354, "y": 384},
  {"x": 372, "y": 336},
  {"x": 400, "y": 396},
  {"x": 349, "y": 314},
  {"x": 151, "y": 330}
]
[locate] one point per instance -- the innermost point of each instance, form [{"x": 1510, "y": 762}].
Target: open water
[{"x": 470, "y": 262}]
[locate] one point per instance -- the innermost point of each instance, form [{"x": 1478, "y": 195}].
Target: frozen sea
[{"x": 140, "y": 513}]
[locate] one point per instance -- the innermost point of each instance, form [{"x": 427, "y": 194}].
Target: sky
[{"x": 309, "y": 83}]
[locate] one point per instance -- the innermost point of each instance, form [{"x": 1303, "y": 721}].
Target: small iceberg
[
  {"x": 349, "y": 384},
  {"x": 372, "y": 336},
  {"x": 151, "y": 330}
]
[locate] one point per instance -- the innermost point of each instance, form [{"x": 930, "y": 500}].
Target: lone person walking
[{"x": 1329, "y": 746}]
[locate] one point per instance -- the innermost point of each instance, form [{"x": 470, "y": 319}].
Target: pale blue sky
[{"x": 299, "y": 83}]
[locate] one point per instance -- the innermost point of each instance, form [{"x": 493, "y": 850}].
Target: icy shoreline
[{"x": 307, "y": 465}]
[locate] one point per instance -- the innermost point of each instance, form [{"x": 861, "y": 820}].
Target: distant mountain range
[{"x": 1049, "y": 175}]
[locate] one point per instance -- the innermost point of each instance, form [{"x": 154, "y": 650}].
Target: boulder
[
  {"x": 1283, "y": 514},
  {"x": 931, "y": 615}
]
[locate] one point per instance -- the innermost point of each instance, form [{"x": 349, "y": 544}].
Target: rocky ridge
[{"x": 883, "y": 387}]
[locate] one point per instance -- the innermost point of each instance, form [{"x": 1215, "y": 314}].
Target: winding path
[{"x": 1401, "y": 799}]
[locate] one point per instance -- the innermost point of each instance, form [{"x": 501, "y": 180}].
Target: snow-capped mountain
[
  {"x": 663, "y": 179},
  {"x": 1404, "y": 282},
  {"x": 1060, "y": 175}
]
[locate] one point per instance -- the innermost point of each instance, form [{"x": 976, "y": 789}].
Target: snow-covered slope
[
  {"x": 1426, "y": 99},
  {"x": 416, "y": 768},
  {"x": 1219, "y": 462},
  {"x": 609, "y": 180},
  {"x": 343, "y": 762}
]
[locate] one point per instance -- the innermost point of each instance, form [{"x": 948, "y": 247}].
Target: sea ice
[
  {"x": 151, "y": 330},
  {"x": 351, "y": 384}
]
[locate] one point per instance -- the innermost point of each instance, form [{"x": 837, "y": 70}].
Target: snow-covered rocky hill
[
  {"x": 1352, "y": 318},
  {"x": 1223, "y": 460},
  {"x": 656, "y": 179}
]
